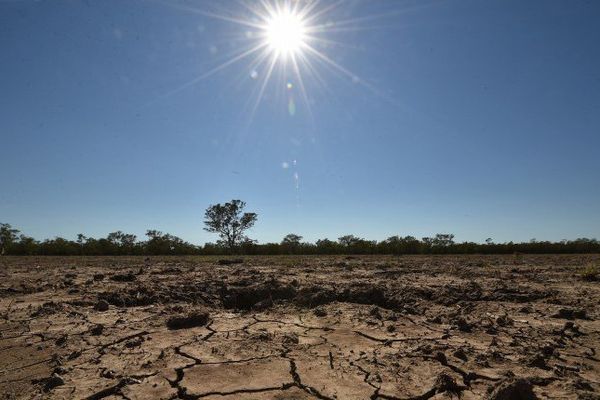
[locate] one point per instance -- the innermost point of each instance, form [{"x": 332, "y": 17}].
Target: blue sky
[{"x": 476, "y": 118}]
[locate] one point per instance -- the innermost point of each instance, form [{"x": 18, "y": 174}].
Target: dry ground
[{"x": 374, "y": 327}]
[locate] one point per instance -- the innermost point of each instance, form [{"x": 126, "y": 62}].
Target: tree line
[
  {"x": 230, "y": 222},
  {"x": 13, "y": 242}
]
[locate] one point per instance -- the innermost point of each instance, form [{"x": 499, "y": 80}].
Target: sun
[
  {"x": 285, "y": 43},
  {"x": 285, "y": 32}
]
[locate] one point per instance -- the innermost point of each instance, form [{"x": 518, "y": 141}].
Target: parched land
[{"x": 372, "y": 327}]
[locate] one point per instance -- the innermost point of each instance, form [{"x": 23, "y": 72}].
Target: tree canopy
[{"x": 229, "y": 222}]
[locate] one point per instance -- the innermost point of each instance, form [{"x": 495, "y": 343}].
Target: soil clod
[{"x": 189, "y": 320}]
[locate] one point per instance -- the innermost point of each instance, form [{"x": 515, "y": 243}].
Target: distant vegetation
[{"x": 12, "y": 242}]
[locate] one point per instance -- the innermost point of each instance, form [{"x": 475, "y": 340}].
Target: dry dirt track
[{"x": 370, "y": 327}]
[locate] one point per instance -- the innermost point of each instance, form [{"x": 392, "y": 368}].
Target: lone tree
[{"x": 228, "y": 221}]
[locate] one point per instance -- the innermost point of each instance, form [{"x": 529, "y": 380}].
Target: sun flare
[
  {"x": 285, "y": 44},
  {"x": 285, "y": 32}
]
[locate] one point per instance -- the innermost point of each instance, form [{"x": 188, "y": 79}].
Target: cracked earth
[{"x": 373, "y": 327}]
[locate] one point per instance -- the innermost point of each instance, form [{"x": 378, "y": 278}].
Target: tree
[
  {"x": 25, "y": 246},
  {"x": 158, "y": 243},
  {"x": 125, "y": 242},
  {"x": 443, "y": 240},
  {"x": 348, "y": 240},
  {"x": 7, "y": 236},
  {"x": 326, "y": 246},
  {"x": 228, "y": 221},
  {"x": 291, "y": 242},
  {"x": 81, "y": 239}
]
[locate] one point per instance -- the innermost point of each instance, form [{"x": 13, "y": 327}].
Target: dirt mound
[
  {"x": 248, "y": 297},
  {"x": 513, "y": 389},
  {"x": 140, "y": 296},
  {"x": 204, "y": 293},
  {"x": 227, "y": 261},
  {"x": 452, "y": 294},
  {"x": 568, "y": 313},
  {"x": 266, "y": 293},
  {"x": 189, "y": 320},
  {"x": 517, "y": 294},
  {"x": 128, "y": 277},
  {"x": 365, "y": 294},
  {"x": 48, "y": 308},
  {"x": 314, "y": 296}
]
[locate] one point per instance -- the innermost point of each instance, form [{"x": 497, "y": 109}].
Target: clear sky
[{"x": 479, "y": 118}]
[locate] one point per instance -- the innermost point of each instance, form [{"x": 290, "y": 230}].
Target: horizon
[
  {"x": 143, "y": 237},
  {"x": 477, "y": 119}
]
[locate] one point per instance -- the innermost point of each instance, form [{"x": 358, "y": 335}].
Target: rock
[
  {"x": 513, "y": 389},
  {"x": 101, "y": 305}
]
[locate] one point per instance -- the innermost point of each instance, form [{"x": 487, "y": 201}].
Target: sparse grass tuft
[{"x": 591, "y": 273}]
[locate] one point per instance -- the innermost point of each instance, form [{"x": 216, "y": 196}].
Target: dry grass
[{"x": 590, "y": 273}]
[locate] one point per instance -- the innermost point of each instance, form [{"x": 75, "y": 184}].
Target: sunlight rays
[{"x": 283, "y": 40}]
